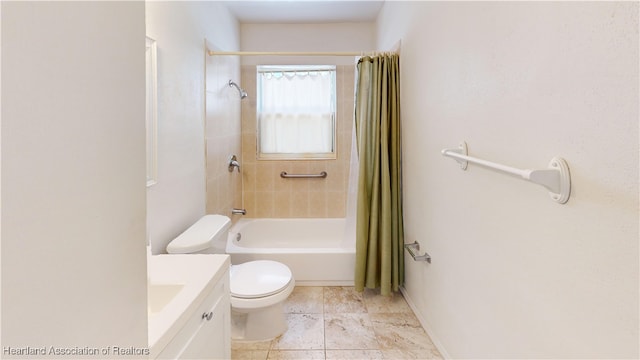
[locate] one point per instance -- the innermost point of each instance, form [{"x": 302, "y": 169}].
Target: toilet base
[{"x": 258, "y": 324}]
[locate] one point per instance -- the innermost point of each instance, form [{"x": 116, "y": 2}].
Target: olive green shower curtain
[{"x": 379, "y": 228}]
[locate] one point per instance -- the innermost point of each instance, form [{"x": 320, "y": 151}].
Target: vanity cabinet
[{"x": 207, "y": 333}]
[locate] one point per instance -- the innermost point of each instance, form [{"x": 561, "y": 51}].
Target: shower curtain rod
[{"x": 291, "y": 53}]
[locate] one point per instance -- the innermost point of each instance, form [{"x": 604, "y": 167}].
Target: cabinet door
[{"x": 212, "y": 340}]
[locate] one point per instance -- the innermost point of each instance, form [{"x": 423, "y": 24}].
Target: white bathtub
[{"x": 318, "y": 251}]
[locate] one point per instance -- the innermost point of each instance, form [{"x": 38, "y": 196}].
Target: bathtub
[{"x": 318, "y": 251}]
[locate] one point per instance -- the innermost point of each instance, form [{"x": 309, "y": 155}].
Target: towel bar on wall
[
  {"x": 556, "y": 178},
  {"x": 415, "y": 246},
  {"x": 300, "y": 176}
]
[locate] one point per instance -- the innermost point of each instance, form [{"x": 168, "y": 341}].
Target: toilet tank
[{"x": 207, "y": 235}]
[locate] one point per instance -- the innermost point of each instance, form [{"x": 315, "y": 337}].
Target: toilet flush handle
[{"x": 207, "y": 316}]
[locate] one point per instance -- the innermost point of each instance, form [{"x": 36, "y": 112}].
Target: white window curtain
[{"x": 296, "y": 111}]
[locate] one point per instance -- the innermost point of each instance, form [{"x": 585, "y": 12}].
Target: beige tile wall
[
  {"x": 222, "y": 134},
  {"x": 266, "y": 194}
]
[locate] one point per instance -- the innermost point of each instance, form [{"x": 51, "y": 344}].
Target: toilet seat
[
  {"x": 258, "y": 279},
  {"x": 262, "y": 303}
]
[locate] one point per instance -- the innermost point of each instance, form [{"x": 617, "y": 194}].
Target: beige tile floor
[{"x": 340, "y": 323}]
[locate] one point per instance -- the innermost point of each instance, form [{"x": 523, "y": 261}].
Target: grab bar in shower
[
  {"x": 415, "y": 246},
  {"x": 556, "y": 178},
  {"x": 301, "y": 176}
]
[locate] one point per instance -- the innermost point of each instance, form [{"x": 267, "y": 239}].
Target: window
[{"x": 296, "y": 112}]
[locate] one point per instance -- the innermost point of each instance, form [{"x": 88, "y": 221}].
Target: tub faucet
[{"x": 235, "y": 211}]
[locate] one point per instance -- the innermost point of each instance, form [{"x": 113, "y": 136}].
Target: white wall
[
  {"x": 73, "y": 174},
  {"x": 514, "y": 274},
  {"x": 306, "y": 37},
  {"x": 0, "y": 180},
  {"x": 180, "y": 29}
]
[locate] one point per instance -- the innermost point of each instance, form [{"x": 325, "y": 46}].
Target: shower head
[{"x": 243, "y": 94}]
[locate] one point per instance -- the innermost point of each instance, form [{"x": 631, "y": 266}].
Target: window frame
[{"x": 333, "y": 154}]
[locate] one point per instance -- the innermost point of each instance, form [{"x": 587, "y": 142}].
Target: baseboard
[{"x": 425, "y": 325}]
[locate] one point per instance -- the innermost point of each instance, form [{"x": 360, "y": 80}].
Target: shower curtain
[{"x": 379, "y": 227}]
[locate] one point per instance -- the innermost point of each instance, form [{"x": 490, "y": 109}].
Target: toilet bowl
[{"x": 258, "y": 288}]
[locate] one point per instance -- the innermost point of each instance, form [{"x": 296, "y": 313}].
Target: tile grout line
[{"x": 325, "y": 293}]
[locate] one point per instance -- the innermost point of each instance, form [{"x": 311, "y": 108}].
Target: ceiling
[{"x": 304, "y": 11}]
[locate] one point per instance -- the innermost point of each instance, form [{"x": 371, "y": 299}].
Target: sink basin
[{"x": 159, "y": 295}]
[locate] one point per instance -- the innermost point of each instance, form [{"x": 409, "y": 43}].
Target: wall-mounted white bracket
[
  {"x": 562, "y": 189},
  {"x": 556, "y": 178},
  {"x": 461, "y": 150}
]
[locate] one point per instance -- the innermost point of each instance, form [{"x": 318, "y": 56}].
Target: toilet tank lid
[{"x": 199, "y": 235}]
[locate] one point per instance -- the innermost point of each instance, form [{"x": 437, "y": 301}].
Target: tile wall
[
  {"x": 266, "y": 194},
  {"x": 222, "y": 134}
]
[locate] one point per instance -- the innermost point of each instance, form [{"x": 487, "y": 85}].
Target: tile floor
[{"x": 340, "y": 323}]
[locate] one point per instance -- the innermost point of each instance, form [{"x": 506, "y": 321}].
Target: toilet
[{"x": 258, "y": 288}]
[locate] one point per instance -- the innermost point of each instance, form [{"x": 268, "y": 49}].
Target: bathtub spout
[{"x": 235, "y": 211}]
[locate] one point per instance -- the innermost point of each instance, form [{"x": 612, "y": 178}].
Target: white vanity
[{"x": 189, "y": 311}]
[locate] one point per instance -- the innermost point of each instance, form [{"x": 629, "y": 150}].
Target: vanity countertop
[{"x": 179, "y": 283}]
